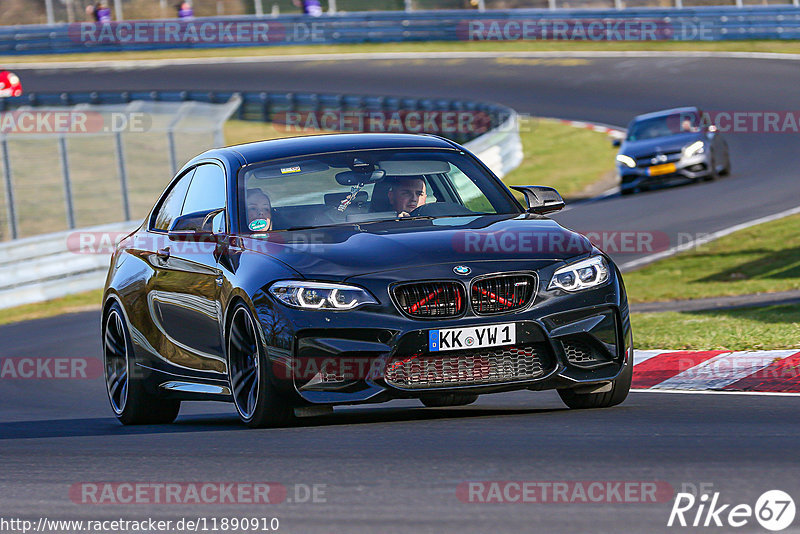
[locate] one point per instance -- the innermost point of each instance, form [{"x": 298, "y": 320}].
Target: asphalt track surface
[{"x": 396, "y": 467}]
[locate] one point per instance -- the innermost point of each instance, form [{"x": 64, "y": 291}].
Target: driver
[
  {"x": 259, "y": 208},
  {"x": 406, "y": 195}
]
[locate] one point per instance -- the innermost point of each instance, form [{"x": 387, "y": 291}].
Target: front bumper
[
  {"x": 563, "y": 340},
  {"x": 686, "y": 169}
]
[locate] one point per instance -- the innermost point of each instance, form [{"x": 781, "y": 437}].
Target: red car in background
[{"x": 9, "y": 84}]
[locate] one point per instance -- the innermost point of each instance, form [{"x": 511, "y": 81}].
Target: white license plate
[{"x": 473, "y": 337}]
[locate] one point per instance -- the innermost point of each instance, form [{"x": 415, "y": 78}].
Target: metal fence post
[
  {"x": 173, "y": 160},
  {"x": 617, "y": 4},
  {"x": 62, "y": 150},
  {"x": 551, "y": 4},
  {"x": 12, "y": 214},
  {"x": 123, "y": 176},
  {"x": 679, "y": 4},
  {"x": 51, "y": 19}
]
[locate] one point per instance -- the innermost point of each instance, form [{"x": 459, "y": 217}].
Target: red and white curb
[
  {"x": 594, "y": 126},
  {"x": 769, "y": 371}
]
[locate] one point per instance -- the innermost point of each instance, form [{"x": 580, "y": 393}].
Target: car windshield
[
  {"x": 667, "y": 125},
  {"x": 366, "y": 186}
]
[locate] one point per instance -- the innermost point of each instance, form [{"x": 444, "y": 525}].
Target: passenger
[
  {"x": 406, "y": 195},
  {"x": 259, "y": 207}
]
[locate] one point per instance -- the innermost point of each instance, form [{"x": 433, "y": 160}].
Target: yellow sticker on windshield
[{"x": 289, "y": 170}]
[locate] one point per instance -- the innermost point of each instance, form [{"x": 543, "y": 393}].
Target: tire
[
  {"x": 726, "y": 171},
  {"x": 256, "y": 401},
  {"x": 626, "y": 192},
  {"x": 448, "y": 399},
  {"x": 130, "y": 400},
  {"x": 713, "y": 173},
  {"x": 619, "y": 390}
]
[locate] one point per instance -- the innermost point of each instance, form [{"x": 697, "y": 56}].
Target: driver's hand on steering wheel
[{"x": 403, "y": 214}]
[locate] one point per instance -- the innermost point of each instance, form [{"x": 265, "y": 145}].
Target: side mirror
[
  {"x": 198, "y": 225},
  {"x": 540, "y": 199},
  {"x": 616, "y": 142}
]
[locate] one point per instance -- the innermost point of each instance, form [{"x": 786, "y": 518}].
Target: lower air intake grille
[
  {"x": 582, "y": 354},
  {"x": 431, "y": 299},
  {"x": 467, "y": 368},
  {"x": 505, "y": 293}
]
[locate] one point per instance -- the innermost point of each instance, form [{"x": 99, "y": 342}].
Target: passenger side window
[
  {"x": 171, "y": 206},
  {"x": 207, "y": 191}
]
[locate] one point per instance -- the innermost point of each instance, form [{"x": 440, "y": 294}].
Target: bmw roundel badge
[{"x": 462, "y": 269}]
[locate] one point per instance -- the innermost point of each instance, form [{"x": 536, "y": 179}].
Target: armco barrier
[
  {"x": 43, "y": 267},
  {"x": 675, "y": 24}
]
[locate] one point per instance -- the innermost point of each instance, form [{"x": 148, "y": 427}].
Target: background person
[
  {"x": 310, "y": 7},
  {"x": 185, "y": 11},
  {"x": 101, "y": 12}
]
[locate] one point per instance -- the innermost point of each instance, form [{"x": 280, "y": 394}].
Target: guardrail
[
  {"x": 680, "y": 24},
  {"x": 44, "y": 267}
]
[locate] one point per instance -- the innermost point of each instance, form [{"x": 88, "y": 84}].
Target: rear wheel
[
  {"x": 129, "y": 398},
  {"x": 619, "y": 390},
  {"x": 448, "y": 399},
  {"x": 257, "y": 402}
]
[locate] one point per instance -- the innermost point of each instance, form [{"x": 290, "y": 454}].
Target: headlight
[
  {"x": 626, "y": 160},
  {"x": 320, "y": 295},
  {"x": 698, "y": 147},
  {"x": 584, "y": 274}
]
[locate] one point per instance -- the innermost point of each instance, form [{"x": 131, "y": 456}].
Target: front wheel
[
  {"x": 619, "y": 390},
  {"x": 256, "y": 400},
  {"x": 132, "y": 403}
]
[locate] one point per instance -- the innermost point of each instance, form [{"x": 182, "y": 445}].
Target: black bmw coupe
[{"x": 293, "y": 275}]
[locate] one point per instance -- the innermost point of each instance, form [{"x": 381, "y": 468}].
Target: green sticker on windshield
[{"x": 258, "y": 225}]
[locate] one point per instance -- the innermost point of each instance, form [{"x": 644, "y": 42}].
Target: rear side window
[
  {"x": 207, "y": 191},
  {"x": 170, "y": 208}
]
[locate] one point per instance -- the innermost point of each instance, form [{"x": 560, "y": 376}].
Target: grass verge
[
  {"x": 771, "y": 327},
  {"x": 89, "y": 300},
  {"x": 787, "y": 47},
  {"x": 761, "y": 259},
  {"x": 549, "y": 156}
]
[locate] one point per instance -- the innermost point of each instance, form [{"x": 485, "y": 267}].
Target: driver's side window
[{"x": 171, "y": 206}]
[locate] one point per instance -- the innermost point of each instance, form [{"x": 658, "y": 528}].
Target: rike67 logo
[{"x": 774, "y": 510}]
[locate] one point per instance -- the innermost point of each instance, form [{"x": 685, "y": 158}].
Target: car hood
[
  {"x": 673, "y": 143},
  {"x": 343, "y": 251}
]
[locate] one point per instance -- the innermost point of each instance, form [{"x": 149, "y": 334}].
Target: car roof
[
  {"x": 315, "y": 144},
  {"x": 666, "y": 113}
]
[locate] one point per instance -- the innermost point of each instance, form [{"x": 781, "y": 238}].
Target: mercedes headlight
[
  {"x": 626, "y": 160},
  {"x": 698, "y": 147},
  {"x": 320, "y": 295},
  {"x": 584, "y": 274}
]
